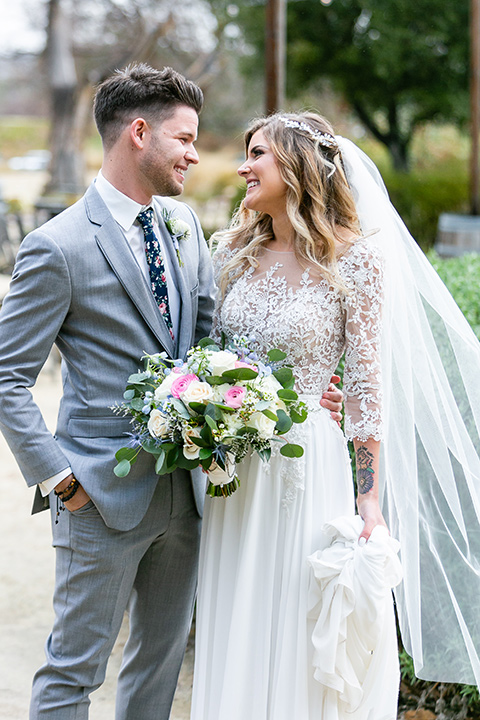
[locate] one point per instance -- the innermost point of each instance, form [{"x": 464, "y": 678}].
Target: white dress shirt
[{"x": 125, "y": 210}]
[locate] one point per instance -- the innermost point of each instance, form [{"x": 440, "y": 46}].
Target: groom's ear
[{"x": 138, "y": 132}]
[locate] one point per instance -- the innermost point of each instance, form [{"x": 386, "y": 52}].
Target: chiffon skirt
[{"x": 254, "y": 650}]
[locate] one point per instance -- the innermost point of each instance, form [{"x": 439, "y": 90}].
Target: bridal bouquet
[{"x": 210, "y": 410}]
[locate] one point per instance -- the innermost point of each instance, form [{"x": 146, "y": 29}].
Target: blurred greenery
[
  {"x": 18, "y": 135},
  {"x": 398, "y": 63}
]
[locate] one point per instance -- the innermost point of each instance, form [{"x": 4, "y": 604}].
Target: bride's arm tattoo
[{"x": 365, "y": 471}]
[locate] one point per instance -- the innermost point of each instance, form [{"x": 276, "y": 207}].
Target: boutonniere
[{"x": 178, "y": 229}]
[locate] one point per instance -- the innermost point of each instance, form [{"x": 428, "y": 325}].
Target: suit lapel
[
  {"x": 115, "y": 248},
  {"x": 183, "y": 340}
]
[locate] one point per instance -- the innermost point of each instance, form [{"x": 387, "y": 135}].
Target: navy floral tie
[{"x": 156, "y": 267}]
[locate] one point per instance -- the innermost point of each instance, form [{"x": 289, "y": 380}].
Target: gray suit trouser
[{"x": 100, "y": 572}]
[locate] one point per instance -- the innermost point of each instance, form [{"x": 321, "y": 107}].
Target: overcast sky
[{"x": 21, "y": 26}]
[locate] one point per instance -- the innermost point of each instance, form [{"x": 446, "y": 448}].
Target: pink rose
[
  {"x": 240, "y": 364},
  {"x": 181, "y": 383},
  {"x": 234, "y": 396}
]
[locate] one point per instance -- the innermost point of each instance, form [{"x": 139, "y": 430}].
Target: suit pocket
[{"x": 93, "y": 427}]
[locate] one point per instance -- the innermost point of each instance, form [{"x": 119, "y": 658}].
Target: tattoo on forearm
[{"x": 365, "y": 472}]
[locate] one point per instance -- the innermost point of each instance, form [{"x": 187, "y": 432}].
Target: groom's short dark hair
[{"x": 140, "y": 89}]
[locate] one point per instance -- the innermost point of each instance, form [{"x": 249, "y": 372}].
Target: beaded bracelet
[
  {"x": 68, "y": 492},
  {"x": 65, "y": 495}
]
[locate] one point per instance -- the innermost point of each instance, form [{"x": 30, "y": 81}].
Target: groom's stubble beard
[{"x": 159, "y": 171}]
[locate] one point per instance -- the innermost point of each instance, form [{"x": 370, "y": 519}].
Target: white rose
[
  {"x": 262, "y": 424},
  {"x": 217, "y": 476},
  {"x": 221, "y": 361},
  {"x": 190, "y": 450},
  {"x": 197, "y": 391},
  {"x": 157, "y": 424},
  {"x": 163, "y": 390}
]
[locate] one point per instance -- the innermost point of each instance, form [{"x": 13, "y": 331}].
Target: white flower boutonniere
[{"x": 178, "y": 229}]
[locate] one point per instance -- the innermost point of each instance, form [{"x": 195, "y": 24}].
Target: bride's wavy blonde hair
[{"x": 319, "y": 202}]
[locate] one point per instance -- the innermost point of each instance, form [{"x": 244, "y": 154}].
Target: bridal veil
[{"x": 430, "y": 455}]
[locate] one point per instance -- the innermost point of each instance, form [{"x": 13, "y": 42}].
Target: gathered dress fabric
[{"x": 257, "y": 625}]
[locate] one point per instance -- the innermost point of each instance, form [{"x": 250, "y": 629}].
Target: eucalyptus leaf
[
  {"x": 137, "y": 403},
  {"x": 285, "y": 377},
  {"x": 160, "y": 465},
  {"x": 299, "y": 417},
  {"x": 199, "y": 441},
  {"x": 185, "y": 464},
  {"x": 180, "y": 408},
  {"x": 291, "y": 450},
  {"x": 129, "y": 394},
  {"x": 276, "y": 355},
  {"x": 207, "y": 342},
  {"x": 122, "y": 469},
  {"x": 284, "y": 423},
  {"x": 214, "y": 380},
  {"x": 138, "y": 378},
  {"x": 125, "y": 453},
  {"x": 270, "y": 415},
  {"x": 211, "y": 422},
  {"x": 239, "y": 374},
  {"x": 288, "y": 395},
  {"x": 198, "y": 407}
]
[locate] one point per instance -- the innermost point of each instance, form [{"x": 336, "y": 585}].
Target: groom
[{"x": 83, "y": 282}]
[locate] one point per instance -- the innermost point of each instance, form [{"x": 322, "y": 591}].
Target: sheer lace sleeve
[
  {"x": 364, "y": 273},
  {"x": 221, "y": 256}
]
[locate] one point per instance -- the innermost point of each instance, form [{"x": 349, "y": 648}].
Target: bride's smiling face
[{"x": 266, "y": 189}]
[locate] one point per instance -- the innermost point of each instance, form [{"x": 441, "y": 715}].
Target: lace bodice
[{"x": 286, "y": 306}]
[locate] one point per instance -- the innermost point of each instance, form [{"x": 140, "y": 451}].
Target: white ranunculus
[
  {"x": 262, "y": 424},
  {"x": 157, "y": 424},
  {"x": 221, "y": 361},
  {"x": 181, "y": 228},
  {"x": 219, "y": 391},
  {"x": 232, "y": 423},
  {"x": 163, "y": 390},
  {"x": 190, "y": 450},
  {"x": 197, "y": 391},
  {"x": 270, "y": 384}
]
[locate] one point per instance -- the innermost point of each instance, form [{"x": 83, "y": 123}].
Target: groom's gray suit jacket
[{"x": 76, "y": 283}]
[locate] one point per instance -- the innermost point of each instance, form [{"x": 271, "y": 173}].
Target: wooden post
[
  {"x": 275, "y": 43},
  {"x": 474, "y": 106}
]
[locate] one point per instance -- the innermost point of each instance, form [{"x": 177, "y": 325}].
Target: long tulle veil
[{"x": 430, "y": 462}]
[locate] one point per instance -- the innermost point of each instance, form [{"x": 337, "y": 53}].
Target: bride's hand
[
  {"x": 332, "y": 399},
  {"x": 370, "y": 512}
]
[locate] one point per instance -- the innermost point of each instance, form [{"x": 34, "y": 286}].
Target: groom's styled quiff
[{"x": 141, "y": 91}]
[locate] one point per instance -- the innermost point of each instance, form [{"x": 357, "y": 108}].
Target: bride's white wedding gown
[{"x": 254, "y": 651}]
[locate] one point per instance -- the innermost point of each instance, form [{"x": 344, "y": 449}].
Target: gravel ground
[{"x": 26, "y": 587}]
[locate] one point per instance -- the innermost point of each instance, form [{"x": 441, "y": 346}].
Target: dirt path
[{"x": 26, "y": 587}]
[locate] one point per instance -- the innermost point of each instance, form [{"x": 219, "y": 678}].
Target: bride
[{"x": 299, "y": 270}]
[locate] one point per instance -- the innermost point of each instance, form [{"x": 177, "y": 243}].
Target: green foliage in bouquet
[{"x": 210, "y": 410}]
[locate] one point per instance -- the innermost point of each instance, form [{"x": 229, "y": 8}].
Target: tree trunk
[
  {"x": 67, "y": 166},
  {"x": 397, "y": 144}
]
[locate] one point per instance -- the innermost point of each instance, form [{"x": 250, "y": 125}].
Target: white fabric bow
[{"x": 354, "y": 639}]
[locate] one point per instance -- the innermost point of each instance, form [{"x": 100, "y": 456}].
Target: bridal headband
[{"x": 324, "y": 138}]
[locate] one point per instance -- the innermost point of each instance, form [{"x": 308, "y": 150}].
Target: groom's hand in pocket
[
  {"x": 80, "y": 498},
  {"x": 332, "y": 399}
]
